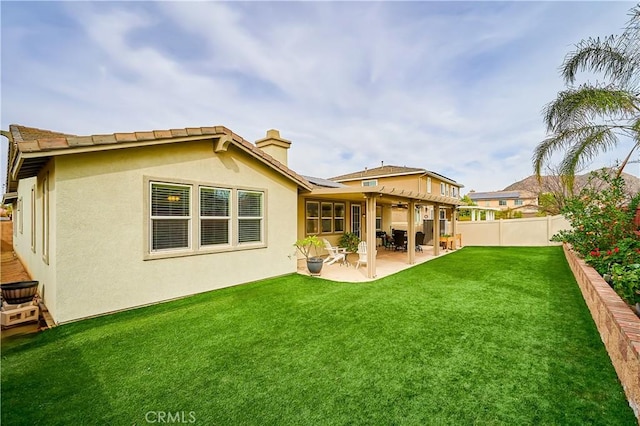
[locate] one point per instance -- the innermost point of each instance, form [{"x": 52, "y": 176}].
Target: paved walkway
[{"x": 11, "y": 268}]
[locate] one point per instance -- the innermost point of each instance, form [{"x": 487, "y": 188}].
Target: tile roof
[
  {"x": 385, "y": 171},
  {"x": 378, "y": 172},
  {"x": 38, "y": 144}
]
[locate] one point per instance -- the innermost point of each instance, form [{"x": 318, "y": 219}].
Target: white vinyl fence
[{"x": 535, "y": 231}]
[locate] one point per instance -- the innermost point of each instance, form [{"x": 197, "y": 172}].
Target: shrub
[{"x": 601, "y": 217}]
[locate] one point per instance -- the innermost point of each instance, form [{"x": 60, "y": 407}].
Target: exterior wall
[
  {"x": 416, "y": 182},
  {"x": 619, "y": 327},
  {"x": 39, "y": 267},
  {"x": 102, "y": 228},
  {"x": 521, "y": 232},
  {"x": 511, "y": 203}
]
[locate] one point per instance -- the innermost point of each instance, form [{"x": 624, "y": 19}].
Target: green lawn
[{"x": 480, "y": 336}]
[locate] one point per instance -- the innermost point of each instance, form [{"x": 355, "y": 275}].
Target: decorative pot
[
  {"x": 19, "y": 292},
  {"x": 314, "y": 264}
]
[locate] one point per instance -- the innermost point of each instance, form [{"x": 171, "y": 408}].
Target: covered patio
[
  {"x": 373, "y": 196},
  {"x": 388, "y": 262}
]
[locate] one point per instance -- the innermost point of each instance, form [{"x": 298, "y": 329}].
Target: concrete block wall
[{"x": 619, "y": 327}]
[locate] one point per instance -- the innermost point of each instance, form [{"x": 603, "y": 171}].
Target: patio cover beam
[{"x": 370, "y": 210}]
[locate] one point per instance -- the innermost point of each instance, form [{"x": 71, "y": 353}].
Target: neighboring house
[
  {"x": 115, "y": 221},
  {"x": 364, "y": 203},
  {"x": 523, "y": 201},
  {"x": 416, "y": 180}
]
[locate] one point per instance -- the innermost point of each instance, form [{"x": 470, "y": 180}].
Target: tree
[{"x": 588, "y": 119}]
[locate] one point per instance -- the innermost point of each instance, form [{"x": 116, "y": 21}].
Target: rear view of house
[{"x": 110, "y": 222}]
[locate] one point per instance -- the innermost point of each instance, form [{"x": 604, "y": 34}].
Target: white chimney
[{"x": 275, "y": 146}]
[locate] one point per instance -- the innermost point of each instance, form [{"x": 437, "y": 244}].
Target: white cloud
[{"x": 453, "y": 87}]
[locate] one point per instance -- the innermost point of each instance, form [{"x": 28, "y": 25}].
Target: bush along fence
[{"x": 605, "y": 233}]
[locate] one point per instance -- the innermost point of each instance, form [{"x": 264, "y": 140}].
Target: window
[
  {"x": 448, "y": 189},
  {"x": 250, "y": 216},
  {"x": 338, "y": 217},
  {"x": 45, "y": 218},
  {"x": 20, "y": 216},
  {"x": 502, "y": 202},
  {"x": 517, "y": 202},
  {"x": 378, "y": 218},
  {"x": 327, "y": 217},
  {"x": 454, "y": 191},
  {"x": 170, "y": 216},
  {"x": 429, "y": 185},
  {"x": 33, "y": 218},
  {"x": 313, "y": 217},
  {"x": 187, "y": 218},
  {"x": 372, "y": 182},
  {"x": 215, "y": 216}
]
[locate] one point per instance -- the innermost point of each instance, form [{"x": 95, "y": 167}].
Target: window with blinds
[
  {"x": 215, "y": 216},
  {"x": 250, "y": 216},
  {"x": 170, "y": 216}
]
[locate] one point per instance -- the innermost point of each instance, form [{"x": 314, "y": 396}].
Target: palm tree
[{"x": 590, "y": 118}]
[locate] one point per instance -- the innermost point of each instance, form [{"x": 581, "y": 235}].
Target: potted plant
[
  {"x": 349, "y": 241},
  {"x": 304, "y": 246}
]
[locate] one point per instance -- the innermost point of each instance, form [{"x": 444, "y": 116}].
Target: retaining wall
[{"x": 619, "y": 327}]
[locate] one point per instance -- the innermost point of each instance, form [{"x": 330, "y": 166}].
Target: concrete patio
[{"x": 388, "y": 262}]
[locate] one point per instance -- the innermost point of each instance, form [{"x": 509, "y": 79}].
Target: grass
[{"x": 480, "y": 336}]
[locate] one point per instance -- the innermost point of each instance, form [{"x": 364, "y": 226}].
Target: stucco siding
[
  {"x": 102, "y": 222},
  {"x": 40, "y": 268}
]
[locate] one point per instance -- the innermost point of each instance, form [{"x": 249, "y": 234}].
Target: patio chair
[
  {"x": 419, "y": 240},
  {"x": 399, "y": 240},
  {"x": 362, "y": 253},
  {"x": 335, "y": 253}
]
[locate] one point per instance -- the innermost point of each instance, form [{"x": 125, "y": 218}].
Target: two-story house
[
  {"x": 410, "y": 179},
  {"x": 522, "y": 201}
]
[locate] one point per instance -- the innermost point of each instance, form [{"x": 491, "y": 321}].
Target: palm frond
[
  {"x": 586, "y": 144},
  {"x": 581, "y": 106},
  {"x": 609, "y": 56}
]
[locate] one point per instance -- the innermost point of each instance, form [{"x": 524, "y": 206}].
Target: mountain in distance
[{"x": 551, "y": 183}]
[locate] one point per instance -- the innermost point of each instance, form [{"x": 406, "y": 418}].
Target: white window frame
[
  {"x": 502, "y": 202},
  {"x": 442, "y": 188},
  {"x": 194, "y": 229},
  {"x": 188, "y": 218},
  {"x": 370, "y": 182},
  {"x": 228, "y": 217},
  {"x": 518, "y": 202},
  {"x": 259, "y": 217}
]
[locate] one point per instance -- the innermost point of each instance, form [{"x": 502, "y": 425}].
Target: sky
[{"x": 454, "y": 87}]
